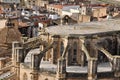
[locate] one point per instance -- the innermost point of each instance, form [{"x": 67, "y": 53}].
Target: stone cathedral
[{"x": 86, "y": 51}]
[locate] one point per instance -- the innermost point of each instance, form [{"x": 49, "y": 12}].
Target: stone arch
[
  {"x": 25, "y": 77},
  {"x": 106, "y": 44}
]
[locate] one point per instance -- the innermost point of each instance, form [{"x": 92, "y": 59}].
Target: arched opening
[
  {"x": 105, "y": 52},
  {"x": 107, "y": 44},
  {"x": 101, "y": 57}
]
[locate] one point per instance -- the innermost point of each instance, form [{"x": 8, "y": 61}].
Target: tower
[{"x": 86, "y": 9}]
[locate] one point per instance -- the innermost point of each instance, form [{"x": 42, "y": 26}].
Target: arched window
[{"x": 25, "y": 76}]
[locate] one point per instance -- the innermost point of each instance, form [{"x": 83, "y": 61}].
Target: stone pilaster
[
  {"x": 61, "y": 69},
  {"x": 52, "y": 56},
  {"x": 65, "y": 55},
  {"x": 41, "y": 47},
  {"x": 82, "y": 55},
  {"x": 92, "y": 69},
  {"x": 82, "y": 59}
]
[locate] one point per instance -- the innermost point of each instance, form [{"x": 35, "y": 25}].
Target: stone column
[
  {"x": 52, "y": 56},
  {"x": 82, "y": 55},
  {"x": 61, "y": 69},
  {"x": 82, "y": 59},
  {"x": 41, "y": 48},
  {"x": 116, "y": 67},
  {"x": 92, "y": 69},
  {"x": 47, "y": 56},
  {"x": 65, "y": 55}
]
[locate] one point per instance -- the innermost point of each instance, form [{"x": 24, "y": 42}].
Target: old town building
[{"x": 70, "y": 52}]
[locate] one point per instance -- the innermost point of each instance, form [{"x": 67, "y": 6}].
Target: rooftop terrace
[{"x": 86, "y": 28}]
